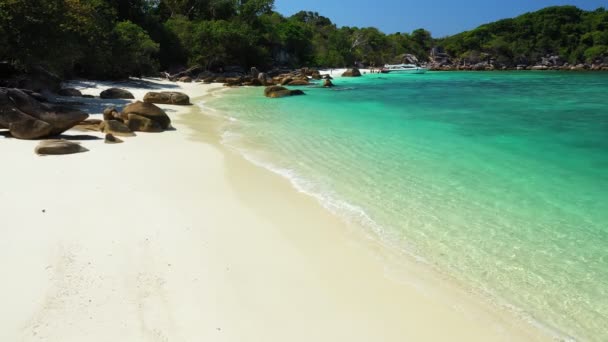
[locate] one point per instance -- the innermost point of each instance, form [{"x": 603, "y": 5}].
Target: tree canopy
[{"x": 120, "y": 38}]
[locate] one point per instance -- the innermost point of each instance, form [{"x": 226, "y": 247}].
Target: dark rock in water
[
  {"x": 299, "y": 83},
  {"x": 116, "y": 93},
  {"x": 185, "y": 79},
  {"x": 150, "y": 111},
  {"x": 142, "y": 124},
  {"x": 21, "y": 111},
  {"x": 30, "y": 128},
  {"x": 354, "y": 72},
  {"x": 167, "y": 97},
  {"x": 69, "y": 92},
  {"x": 327, "y": 83},
  {"x": 58, "y": 146},
  {"x": 111, "y": 139},
  {"x": 278, "y": 91},
  {"x": 116, "y": 127},
  {"x": 88, "y": 96},
  {"x": 327, "y": 77}
]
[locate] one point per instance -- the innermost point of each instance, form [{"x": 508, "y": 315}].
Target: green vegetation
[
  {"x": 119, "y": 38},
  {"x": 574, "y": 35}
]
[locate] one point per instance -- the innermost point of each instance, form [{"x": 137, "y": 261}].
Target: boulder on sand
[
  {"x": 167, "y": 97},
  {"x": 58, "y": 146},
  {"x": 142, "y": 124},
  {"x": 116, "y": 93},
  {"x": 21, "y": 111},
  {"x": 69, "y": 92},
  {"x": 30, "y": 128},
  {"x": 354, "y": 72},
  {"x": 150, "y": 111}
]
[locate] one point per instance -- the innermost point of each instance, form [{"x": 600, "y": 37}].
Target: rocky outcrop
[
  {"x": 27, "y": 118},
  {"x": 354, "y": 72},
  {"x": 327, "y": 83},
  {"x": 185, "y": 79},
  {"x": 278, "y": 91},
  {"x": 143, "y": 124},
  {"x": 116, "y": 93},
  {"x": 69, "y": 92},
  {"x": 116, "y": 127},
  {"x": 150, "y": 111},
  {"x": 57, "y": 147},
  {"x": 167, "y": 97}
]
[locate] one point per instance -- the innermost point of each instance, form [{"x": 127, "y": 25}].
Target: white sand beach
[{"x": 172, "y": 237}]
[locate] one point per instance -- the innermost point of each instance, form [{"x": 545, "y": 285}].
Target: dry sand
[{"x": 172, "y": 237}]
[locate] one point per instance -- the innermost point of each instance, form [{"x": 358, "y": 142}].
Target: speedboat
[{"x": 403, "y": 69}]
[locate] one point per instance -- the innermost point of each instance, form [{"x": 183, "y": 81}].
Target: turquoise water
[{"x": 499, "y": 179}]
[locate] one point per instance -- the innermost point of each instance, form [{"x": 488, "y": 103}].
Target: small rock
[
  {"x": 111, "y": 139},
  {"x": 58, "y": 147}
]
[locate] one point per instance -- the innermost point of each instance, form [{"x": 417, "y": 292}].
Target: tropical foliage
[{"x": 119, "y": 38}]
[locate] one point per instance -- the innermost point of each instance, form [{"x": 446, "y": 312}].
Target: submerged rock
[{"x": 278, "y": 91}]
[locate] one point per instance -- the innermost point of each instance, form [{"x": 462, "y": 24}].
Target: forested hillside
[
  {"x": 574, "y": 35},
  {"x": 119, "y": 38}
]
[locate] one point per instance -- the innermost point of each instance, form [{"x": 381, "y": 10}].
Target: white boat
[{"x": 403, "y": 69}]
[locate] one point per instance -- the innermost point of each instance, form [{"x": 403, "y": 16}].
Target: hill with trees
[{"x": 120, "y": 38}]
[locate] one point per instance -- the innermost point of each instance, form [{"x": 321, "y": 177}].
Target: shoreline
[
  {"x": 174, "y": 236},
  {"x": 396, "y": 262}
]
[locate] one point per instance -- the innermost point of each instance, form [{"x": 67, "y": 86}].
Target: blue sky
[{"x": 441, "y": 17}]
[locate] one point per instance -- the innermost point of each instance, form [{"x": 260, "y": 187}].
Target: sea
[{"x": 498, "y": 179}]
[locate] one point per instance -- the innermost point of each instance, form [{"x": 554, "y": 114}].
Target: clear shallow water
[{"x": 500, "y": 179}]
